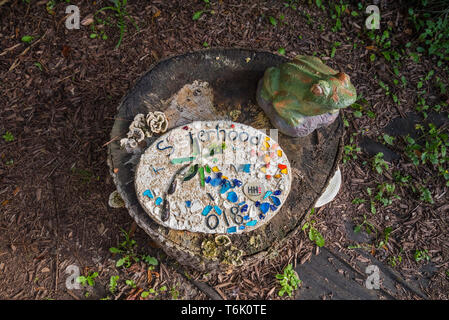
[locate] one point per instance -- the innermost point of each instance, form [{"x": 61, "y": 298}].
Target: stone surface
[{"x": 181, "y": 180}]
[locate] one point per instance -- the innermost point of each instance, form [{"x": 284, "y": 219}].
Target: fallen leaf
[
  {"x": 16, "y": 191},
  {"x": 157, "y": 14},
  {"x": 4, "y": 203},
  {"x": 45, "y": 270},
  {"x": 66, "y": 51},
  {"x": 89, "y": 19}
]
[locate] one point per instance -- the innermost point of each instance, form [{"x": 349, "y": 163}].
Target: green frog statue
[{"x": 304, "y": 94}]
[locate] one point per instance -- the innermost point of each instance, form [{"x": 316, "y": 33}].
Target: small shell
[
  {"x": 140, "y": 118},
  {"x": 115, "y": 200},
  {"x": 137, "y": 134},
  {"x": 157, "y": 122}
]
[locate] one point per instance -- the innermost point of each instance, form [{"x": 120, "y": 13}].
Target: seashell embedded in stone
[
  {"x": 137, "y": 134},
  {"x": 129, "y": 144},
  {"x": 157, "y": 122},
  {"x": 115, "y": 200}
]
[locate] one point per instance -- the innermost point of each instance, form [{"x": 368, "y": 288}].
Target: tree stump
[{"x": 232, "y": 75}]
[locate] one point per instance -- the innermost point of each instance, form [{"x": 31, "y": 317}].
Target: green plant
[
  {"x": 425, "y": 195},
  {"x": 127, "y": 249},
  {"x": 281, "y": 51},
  {"x": 433, "y": 23},
  {"x": 334, "y": 48},
  {"x": 386, "y": 237},
  {"x": 113, "y": 283},
  {"x": 403, "y": 180},
  {"x": 379, "y": 164},
  {"x": 388, "y": 139},
  {"x": 89, "y": 279},
  {"x": 38, "y": 65},
  {"x": 27, "y": 39},
  {"x": 152, "y": 261},
  {"x": 421, "y": 255},
  {"x": 8, "y": 136},
  {"x": 288, "y": 280},
  {"x": 314, "y": 234},
  {"x": 385, "y": 194},
  {"x": 337, "y": 12},
  {"x": 368, "y": 226},
  {"x": 350, "y": 151},
  {"x": 174, "y": 292},
  {"x": 273, "y": 21},
  {"x": 431, "y": 151},
  {"x": 197, "y": 14},
  {"x": 130, "y": 283},
  {"x": 395, "y": 260},
  {"x": 120, "y": 13}
]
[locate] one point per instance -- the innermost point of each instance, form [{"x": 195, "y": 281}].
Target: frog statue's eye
[
  {"x": 343, "y": 77},
  {"x": 317, "y": 90}
]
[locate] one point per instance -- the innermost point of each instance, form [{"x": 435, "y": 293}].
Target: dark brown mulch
[{"x": 54, "y": 178}]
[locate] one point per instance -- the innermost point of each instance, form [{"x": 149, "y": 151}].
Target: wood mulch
[{"x": 59, "y": 95}]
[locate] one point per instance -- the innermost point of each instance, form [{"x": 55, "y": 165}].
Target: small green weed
[
  {"x": 288, "y": 280},
  {"x": 120, "y": 12},
  {"x": 89, "y": 279},
  {"x": 379, "y": 164},
  {"x": 421, "y": 255},
  {"x": 113, "y": 283},
  {"x": 8, "y": 136}
]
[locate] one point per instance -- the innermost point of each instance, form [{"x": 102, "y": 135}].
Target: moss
[
  {"x": 233, "y": 256},
  {"x": 209, "y": 249},
  {"x": 255, "y": 241},
  {"x": 235, "y": 114},
  {"x": 222, "y": 240}
]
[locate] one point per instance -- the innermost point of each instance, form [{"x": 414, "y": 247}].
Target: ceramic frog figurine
[{"x": 304, "y": 94}]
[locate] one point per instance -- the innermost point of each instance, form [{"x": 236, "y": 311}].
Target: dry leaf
[
  {"x": 16, "y": 191},
  {"x": 89, "y": 19}
]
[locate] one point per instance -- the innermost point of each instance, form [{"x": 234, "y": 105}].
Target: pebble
[
  {"x": 267, "y": 194},
  {"x": 264, "y": 207},
  {"x": 232, "y": 229},
  {"x": 251, "y": 223},
  {"x": 148, "y": 194},
  {"x": 215, "y": 182},
  {"x": 232, "y": 197},
  {"x": 206, "y": 210},
  {"x": 275, "y": 200},
  {"x": 218, "y": 210}
]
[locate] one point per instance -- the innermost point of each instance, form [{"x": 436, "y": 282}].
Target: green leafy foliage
[
  {"x": 379, "y": 164},
  {"x": 120, "y": 13},
  {"x": 314, "y": 234},
  {"x": 89, "y": 279},
  {"x": 8, "y": 136},
  {"x": 127, "y": 250},
  {"x": 113, "y": 283},
  {"x": 288, "y": 281},
  {"x": 27, "y": 39},
  {"x": 421, "y": 255},
  {"x": 431, "y": 149}
]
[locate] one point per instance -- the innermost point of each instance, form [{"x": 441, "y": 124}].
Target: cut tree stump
[{"x": 233, "y": 75}]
